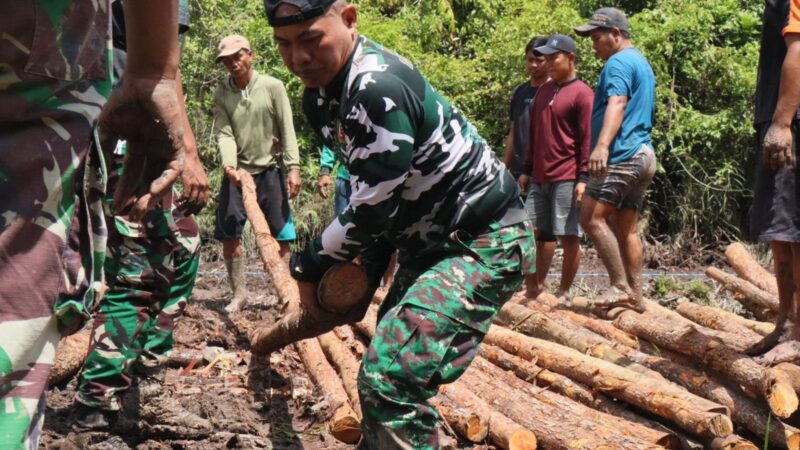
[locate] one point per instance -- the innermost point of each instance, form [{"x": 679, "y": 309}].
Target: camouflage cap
[
  {"x": 308, "y": 9},
  {"x": 230, "y": 45}
]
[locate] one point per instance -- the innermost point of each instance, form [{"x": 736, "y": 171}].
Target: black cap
[
  {"x": 604, "y": 18},
  {"x": 558, "y": 43},
  {"x": 309, "y": 9}
]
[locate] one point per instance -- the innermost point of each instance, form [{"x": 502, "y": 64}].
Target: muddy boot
[
  {"x": 160, "y": 414},
  {"x": 237, "y": 280}
]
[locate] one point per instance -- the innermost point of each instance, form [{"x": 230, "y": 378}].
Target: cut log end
[
  {"x": 345, "y": 426},
  {"x": 343, "y": 287},
  {"x": 522, "y": 440},
  {"x": 780, "y": 394},
  {"x": 720, "y": 424},
  {"x": 793, "y": 442},
  {"x": 477, "y": 428}
]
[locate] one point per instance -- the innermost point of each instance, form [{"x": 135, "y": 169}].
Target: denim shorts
[{"x": 624, "y": 184}]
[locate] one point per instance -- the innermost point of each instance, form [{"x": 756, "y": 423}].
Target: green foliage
[{"x": 704, "y": 55}]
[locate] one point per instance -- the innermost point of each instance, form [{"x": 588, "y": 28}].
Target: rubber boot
[
  {"x": 237, "y": 280},
  {"x": 157, "y": 413}
]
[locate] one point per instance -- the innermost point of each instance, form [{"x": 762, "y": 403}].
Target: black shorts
[
  {"x": 273, "y": 198},
  {"x": 775, "y": 215}
]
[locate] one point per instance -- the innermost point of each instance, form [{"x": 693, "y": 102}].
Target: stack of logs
[{"x": 554, "y": 375}]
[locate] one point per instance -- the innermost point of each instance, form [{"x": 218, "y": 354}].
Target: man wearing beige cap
[{"x": 253, "y": 124}]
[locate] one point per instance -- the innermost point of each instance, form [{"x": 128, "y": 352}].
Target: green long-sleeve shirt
[{"x": 246, "y": 121}]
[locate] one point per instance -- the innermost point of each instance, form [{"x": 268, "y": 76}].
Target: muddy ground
[{"x": 273, "y": 405}]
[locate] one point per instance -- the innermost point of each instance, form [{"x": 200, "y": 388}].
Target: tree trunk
[
  {"x": 344, "y": 422},
  {"x": 719, "y": 319},
  {"x": 70, "y": 355},
  {"x": 367, "y": 325},
  {"x": 756, "y": 380},
  {"x": 346, "y": 364},
  {"x": 537, "y": 324},
  {"x": 345, "y": 333},
  {"x": 793, "y": 372},
  {"x": 618, "y": 424},
  {"x": 732, "y": 442},
  {"x": 763, "y": 304},
  {"x": 565, "y": 425},
  {"x": 602, "y": 327},
  {"x": 749, "y": 269},
  {"x": 503, "y": 432},
  {"x": 692, "y": 413},
  {"x": 744, "y": 411},
  {"x": 303, "y": 317},
  {"x": 468, "y": 424}
]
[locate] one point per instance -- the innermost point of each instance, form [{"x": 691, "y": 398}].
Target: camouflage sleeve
[
  {"x": 380, "y": 128},
  {"x": 224, "y": 132}
]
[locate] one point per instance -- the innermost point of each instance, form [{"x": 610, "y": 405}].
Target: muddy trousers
[
  {"x": 429, "y": 329},
  {"x": 150, "y": 280}
]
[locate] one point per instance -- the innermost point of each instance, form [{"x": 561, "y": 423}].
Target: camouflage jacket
[{"x": 419, "y": 170}]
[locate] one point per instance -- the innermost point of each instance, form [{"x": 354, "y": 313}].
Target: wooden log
[
  {"x": 690, "y": 412},
  {"x": 793, "y": 373},
  {"x": 745, "y": 412},
  {"x": 345, "y": 333},
  {"x": 602, "y": 327},
  {"x": 367, "y": 325},
  {"x": 565, "y": 425},
  {"x": 759, "y": 302},
  {"x": 345, "y": 363},
  {"x": 618, "y": 424},
  {"x": 302, "y": 317},
  {"x": 537, "y": 324},
  {"x": 344, "y": 423},
  {"x": 732, "y": 442},
  {"x": 474, "y": 427},
  {"x": 757, "y": 381},
  {"x": 719, "y": 320},
  {"x": 749, "y": 269},
  {"x": 70, "y": 355},
  {"x": 530, "y": 372},
  {"x": 503, "y": 432}
]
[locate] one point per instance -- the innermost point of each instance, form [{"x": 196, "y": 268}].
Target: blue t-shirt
[{"x": 626, "y": 73}]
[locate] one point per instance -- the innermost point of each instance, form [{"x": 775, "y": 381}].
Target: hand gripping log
[{"x": 342, "y": 296}]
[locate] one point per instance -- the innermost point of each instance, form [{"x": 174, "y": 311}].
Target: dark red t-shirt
[{"x": 558, "y": 147}]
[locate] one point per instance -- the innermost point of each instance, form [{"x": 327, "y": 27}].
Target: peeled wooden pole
[
  {"x": 70, "y": 355},
  {"x": 732, "y": 442},
  {"x": 757, "y": 381},
  {"x": 691, "y": 412},
  {"x": 346, "y": 364},
  {"x": 556, "y": 426},
  {"x": 760, "y": 302},
  {"x": 502, "y": 431},
  {"x": 749, "y": 269},
  {"x": 472, "y": 426},
  {"x": 303, "y": 317},
  {"x": 345, "y": 333},
  {"x": 367, "y": 325},
  {"x": 793, "y": 373},
  {"x": 344, "y": 422}
]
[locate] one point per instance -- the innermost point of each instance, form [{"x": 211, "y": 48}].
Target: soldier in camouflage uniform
[
  {"x": 54, "y": 67},
  {"x": 424, "y": 182},
  {"x": 150, "y": 269}
]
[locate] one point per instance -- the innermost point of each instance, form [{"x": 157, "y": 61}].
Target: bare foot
[
  {"x": 615, "y": 297},
  {"x": 785, "y": 352},
  {"x": 771, "y": 340}
]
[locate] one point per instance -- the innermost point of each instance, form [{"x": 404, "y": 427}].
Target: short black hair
[{"x": 537, "y": 41}]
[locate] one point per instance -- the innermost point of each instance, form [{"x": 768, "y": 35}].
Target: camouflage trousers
[
  {"x": 430, "y": 325},
  {"x": 150, "y": 281}
]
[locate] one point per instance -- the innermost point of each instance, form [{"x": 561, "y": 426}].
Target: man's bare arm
[
  {"x": 508, "y": 153},
  {"x": 778, "y": 140},
  {"x": 612, "y": 121}
]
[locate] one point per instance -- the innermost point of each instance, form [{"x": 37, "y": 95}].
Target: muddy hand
[{"x": 147, "y": 114}]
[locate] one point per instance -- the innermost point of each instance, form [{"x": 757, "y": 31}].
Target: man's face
[
  {"x": 536, "y": 65},
  {"x": 239, "y": 63},
  {"x": 315, "y": 50},
  {"x": 560, "y": 66},
  {"x": 604, "y": 43}
]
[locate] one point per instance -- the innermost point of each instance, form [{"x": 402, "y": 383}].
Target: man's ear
[{"x": 350, "y": 16}]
